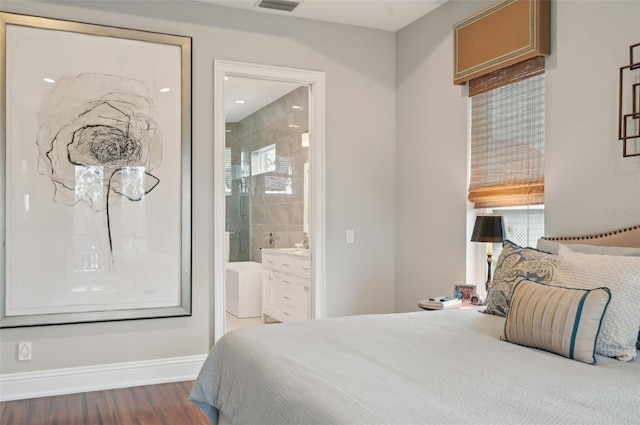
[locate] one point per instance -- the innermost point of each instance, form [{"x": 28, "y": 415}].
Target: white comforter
[{"x": 412, "y": 368}]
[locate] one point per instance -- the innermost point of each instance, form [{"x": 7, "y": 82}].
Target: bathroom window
[
  {"x": 263, "y": 160},
  {"x": 281, "y": 183}
]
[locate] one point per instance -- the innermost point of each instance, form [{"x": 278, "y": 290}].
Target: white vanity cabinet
[{"x": 286, "y": 287}]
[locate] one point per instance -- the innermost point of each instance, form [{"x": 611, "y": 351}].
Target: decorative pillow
[
  {"x": 559, "y": 320},
  {"x": 552, "y": 248},
  {"x": 622, "y": 276},
  {"x": 514, "y": 263}
]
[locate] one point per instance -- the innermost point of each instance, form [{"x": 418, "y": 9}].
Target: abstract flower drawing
[{"x": 98, "y": 142}]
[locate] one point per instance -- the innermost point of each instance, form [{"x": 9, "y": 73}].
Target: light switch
[{"x": 351, "y": 237}]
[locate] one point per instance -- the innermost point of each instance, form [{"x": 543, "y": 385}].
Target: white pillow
[
  {"x": 552, "y": 248},
  {"x": 621, "y": 275}
]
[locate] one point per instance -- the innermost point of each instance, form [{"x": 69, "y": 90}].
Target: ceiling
[
  {"x": 388, "y": 15},
  {"x": 256, "y": 94}
]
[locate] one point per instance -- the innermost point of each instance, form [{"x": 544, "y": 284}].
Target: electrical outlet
[{"x": 24, "y": 351}]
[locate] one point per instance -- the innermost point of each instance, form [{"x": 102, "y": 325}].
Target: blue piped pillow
[{"x": 564, "y": 321}]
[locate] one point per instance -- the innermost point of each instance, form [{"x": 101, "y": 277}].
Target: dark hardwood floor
[{"x": 164, "y": 404}]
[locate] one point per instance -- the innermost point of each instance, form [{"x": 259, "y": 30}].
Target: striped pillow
[{"x": 564, "y": 321}]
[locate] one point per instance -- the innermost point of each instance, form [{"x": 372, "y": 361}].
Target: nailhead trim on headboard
[{"x": 586, "y": 237}]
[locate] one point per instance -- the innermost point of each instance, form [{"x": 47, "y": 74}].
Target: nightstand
[{"x": 464, "y": 305}]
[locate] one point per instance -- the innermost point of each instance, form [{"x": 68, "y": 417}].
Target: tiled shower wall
[{"x": 252, "y": 214}]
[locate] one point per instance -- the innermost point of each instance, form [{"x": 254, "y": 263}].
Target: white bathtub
[{"x": 244, "y": 288}]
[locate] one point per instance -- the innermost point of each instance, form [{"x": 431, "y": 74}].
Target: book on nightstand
[{"x": 440, "y": 303}]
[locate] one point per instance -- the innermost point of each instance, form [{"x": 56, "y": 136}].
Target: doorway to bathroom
[
  {"x": 266, "y": 151},
  {"x": 269, "y": 184}
]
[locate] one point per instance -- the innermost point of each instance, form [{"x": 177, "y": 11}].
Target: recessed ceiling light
[
  {"x": 293, "y": 126},
  {"x": 165, "y": 90},
  {"x": 240, "y": 101},
  {"x": 297, "y": 107},
  {"x": 226, "y": 78},
  {"x": 49, "y": 80}
]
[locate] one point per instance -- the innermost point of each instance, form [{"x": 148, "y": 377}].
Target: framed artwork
[
  {"x": 95, "y": 222},
  {"x": 629, "y": 104}
]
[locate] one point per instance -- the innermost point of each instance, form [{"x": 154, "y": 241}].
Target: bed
[{"x": 450, "y": 366}]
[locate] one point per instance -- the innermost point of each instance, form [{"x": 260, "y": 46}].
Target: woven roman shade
[{"x": 507, "y": 136}]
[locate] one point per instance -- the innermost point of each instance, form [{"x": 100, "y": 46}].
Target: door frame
[{"x": 315, "y": 80}]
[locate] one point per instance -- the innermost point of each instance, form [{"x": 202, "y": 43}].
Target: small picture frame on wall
[{"x": 464, "y": 292}]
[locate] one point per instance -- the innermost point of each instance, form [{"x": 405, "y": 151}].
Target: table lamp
[{"x": 488, "y": 228}]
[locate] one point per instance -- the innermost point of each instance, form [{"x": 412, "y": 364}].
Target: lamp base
[{"x": 487, "y": 284}]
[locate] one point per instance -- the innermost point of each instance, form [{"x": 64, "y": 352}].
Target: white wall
[
  {"x": 431, "y": 155},
  {"x": 360, "y": 100},
  {"x": 589, "y": 187}
]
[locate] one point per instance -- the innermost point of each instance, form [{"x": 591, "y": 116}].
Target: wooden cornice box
[{"x": 505, "y": 33}]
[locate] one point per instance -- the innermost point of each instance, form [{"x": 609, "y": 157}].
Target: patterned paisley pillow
[{"x": 514, "y": 264}]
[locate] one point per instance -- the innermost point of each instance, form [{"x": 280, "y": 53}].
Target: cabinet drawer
[
  {"x": 301, "y": 268},
  {"x": 269, "y": 261},
  {"x": 286, "y": 264},
  {"x": 288, "y": 288},
  {"x": 291, "y": 296}
]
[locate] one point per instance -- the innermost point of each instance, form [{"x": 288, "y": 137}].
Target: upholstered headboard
[{"x": 627, "y": 237}]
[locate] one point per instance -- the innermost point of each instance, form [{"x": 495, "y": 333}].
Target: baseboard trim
[{"x": 19, "y": 386}]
